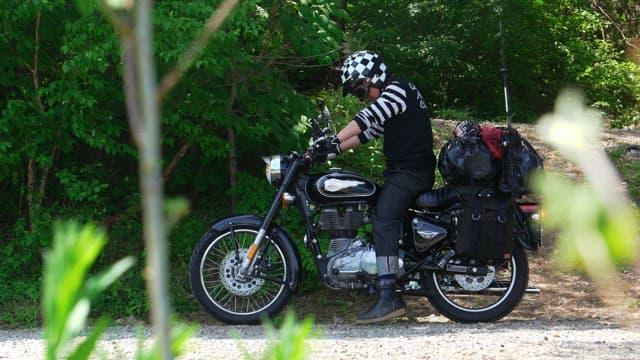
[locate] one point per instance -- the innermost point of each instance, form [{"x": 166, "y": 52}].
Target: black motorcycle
[{"x": 245, "y": 268}]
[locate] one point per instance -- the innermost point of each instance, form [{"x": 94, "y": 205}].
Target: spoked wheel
[
  {"x": 215, "y": 284},
  {"x": 485, "y": 298}
]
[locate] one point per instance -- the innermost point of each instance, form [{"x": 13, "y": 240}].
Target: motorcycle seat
[{"x": 448, "y": 194}]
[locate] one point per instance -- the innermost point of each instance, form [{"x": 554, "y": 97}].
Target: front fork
[{"x": 274, "y": 209}]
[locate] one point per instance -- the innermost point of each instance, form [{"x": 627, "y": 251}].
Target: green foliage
[
  {"x": 451, "y": 49},
  {"x": 459, "y": 114},
  {"x": 21, "y": 304},
  {"x": 68, "y": 290},
  {"x": 65, "y": 139},
  {"x": 255, "y": 194},
  {"x": 288, "y": 341},
  {"x": 614, "y": 86}
]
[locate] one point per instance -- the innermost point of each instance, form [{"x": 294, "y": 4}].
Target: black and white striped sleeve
[{"x": 392, "y": 102}]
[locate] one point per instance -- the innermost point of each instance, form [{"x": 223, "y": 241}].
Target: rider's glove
[
  {"x": 334, "y": 148},
  {"x": 327, "y": 149}
]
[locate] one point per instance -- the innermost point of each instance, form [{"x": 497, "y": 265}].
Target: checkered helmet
[{"x": 362, "y": 65}]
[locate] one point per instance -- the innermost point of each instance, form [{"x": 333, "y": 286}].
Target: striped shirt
[
  {"x": 401, "y": 115},
  {"x": 392, "y": 102}
]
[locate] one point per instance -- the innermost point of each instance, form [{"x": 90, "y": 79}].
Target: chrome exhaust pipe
[{"x": 533, "y": 290}]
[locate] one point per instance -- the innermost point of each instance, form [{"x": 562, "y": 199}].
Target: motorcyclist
[{"x": 398, "y": 111}]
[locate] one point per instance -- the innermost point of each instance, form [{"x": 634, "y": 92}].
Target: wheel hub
[
  {"x": 228, "y": 270},
  {"x": 476, "y": 282}
]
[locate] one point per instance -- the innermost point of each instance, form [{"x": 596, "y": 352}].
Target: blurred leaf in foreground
[
  {"x": 596, "y": 223},
  {"x": 68, "y": 289}
]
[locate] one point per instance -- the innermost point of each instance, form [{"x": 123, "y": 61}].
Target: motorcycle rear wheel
[
  {"x": 469, "y": 299},
  {"x": 263, "y": 294}
]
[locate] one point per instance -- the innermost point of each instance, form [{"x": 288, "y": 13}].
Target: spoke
[
  {"x": 216, "y": 291},
  {"x": 246, "y": 239},
  {"x": 271, "y": 292},
  {"x": 217, "y": 253},
  {"x": 212, "y": 263},
  {"x": 258, "y": 304},
  {"x": 225, "y": 245},
  {"x": 274, "y": 279}
]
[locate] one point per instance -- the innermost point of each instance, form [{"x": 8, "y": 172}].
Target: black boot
[{"x": 389, "y": 304}]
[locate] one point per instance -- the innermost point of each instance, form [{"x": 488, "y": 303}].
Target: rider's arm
[
  {"x": 349, "y": 136},
  {"x": 368, "y": 124}
]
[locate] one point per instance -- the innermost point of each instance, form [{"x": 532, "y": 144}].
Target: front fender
[{"x": 277, "y": 231}]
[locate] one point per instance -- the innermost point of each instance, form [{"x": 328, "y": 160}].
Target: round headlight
[{"x": 275, "y": 168}]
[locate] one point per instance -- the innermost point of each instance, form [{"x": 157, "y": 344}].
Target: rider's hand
[
  {"x": 327, "y": 149},
  {"x": 334, "y": 148}
]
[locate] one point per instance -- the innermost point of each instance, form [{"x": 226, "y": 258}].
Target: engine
[
  {"x": 352, "y": 267},
  {"x": 343, "y": 221},
  {"x": 352, "y": 260}
]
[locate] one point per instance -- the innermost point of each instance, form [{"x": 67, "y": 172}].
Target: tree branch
[
  {"x": 130, "y": 89},
  {"x": 603, "y": 11},
  {"x": 155, "y": 232},
  {"x": 34, "y": 70},
  {"x": 170, "y": 80},
  {"x": 175, "y": 161}
]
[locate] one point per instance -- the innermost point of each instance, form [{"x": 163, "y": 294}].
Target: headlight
[{"x": 275, "y": 169}]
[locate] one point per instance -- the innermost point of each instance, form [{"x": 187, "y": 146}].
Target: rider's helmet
[{"x": 361, "y": 70}]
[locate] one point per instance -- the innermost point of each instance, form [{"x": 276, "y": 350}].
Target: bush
[{"x": 613, "y": 86}]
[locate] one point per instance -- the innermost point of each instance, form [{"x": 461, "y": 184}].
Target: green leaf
[
  {"x": 86, "y": 348},
  {"x": 86, "y": 7},
  {"x": 100, "y": 282}
]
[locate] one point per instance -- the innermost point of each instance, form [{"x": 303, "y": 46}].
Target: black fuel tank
[{"x": 336, "y": 185}]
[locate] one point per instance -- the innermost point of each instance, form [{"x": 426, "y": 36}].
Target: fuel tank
[{"x": 336, "y": 185}]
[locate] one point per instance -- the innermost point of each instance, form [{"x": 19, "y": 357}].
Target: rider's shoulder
[{"x": 400, "y": 84}]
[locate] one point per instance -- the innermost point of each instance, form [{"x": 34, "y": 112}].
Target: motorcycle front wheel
[
  {"x": 487, "y": 298},
  {"x": 262, "y": 293}
]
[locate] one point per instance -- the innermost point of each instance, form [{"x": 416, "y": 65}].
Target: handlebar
[
  {"x": 322, "y": 124},
  {"x": 322, "y": 130}
]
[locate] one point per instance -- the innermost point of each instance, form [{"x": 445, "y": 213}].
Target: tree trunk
[
  {"x": 231, "y": 136},
  {"x": 233, "y": 169},
  {"x": 341, "y": 22},
  {"x": 35, "y": 194}
]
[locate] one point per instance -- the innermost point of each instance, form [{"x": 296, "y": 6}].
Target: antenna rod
[{"x": 504, "y": 71}]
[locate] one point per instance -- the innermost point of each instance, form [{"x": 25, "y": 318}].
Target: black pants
[{"x": 400, "y": 190}]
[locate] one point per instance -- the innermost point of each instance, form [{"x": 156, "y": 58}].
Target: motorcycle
[{"x": 246, "y": 268}]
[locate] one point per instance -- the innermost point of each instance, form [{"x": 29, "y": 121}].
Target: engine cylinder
[{"x": 340, "y": 222}]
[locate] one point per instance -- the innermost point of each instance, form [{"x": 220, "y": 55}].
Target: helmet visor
[{"x": 358, "y": 88}]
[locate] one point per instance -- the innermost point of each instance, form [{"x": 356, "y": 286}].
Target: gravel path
[{"x": 581, "y": 339}]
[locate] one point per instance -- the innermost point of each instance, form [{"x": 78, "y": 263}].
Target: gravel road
[{"x": 580, "y": 339}]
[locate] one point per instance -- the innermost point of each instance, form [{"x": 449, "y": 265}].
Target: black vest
[{"x": 408, "y": 139}]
